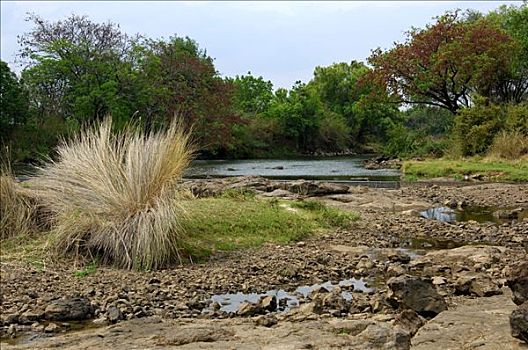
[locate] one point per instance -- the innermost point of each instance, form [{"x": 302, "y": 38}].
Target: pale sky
[{"x": 282, "y": 41}]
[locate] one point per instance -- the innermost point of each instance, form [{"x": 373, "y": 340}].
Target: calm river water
[{"x": 338, "y": 168}]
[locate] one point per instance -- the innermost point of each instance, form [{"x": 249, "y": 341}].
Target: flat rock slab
[{"x": 481, "y": 323}]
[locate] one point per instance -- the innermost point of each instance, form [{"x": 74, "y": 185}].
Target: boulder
[
  {"x": 313, "y": 188},
  {"x": 69, "y": 309},
  {"x": 417, "y": 294},
  {"x": 113, "y": 314},
  {"x": 479, "y": 285},
  {"x": 519, "y": 322},
  {"x": 518, "y": 283}
]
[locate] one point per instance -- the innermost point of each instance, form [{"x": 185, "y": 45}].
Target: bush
[
  {"x": 16, "y": 206},
  {"x": 509, "y": 145},
  {"x": 476, "y": 127},
  {"x": 115, "y": 195}
]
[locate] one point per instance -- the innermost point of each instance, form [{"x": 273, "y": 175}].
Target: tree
[
  {"x": 252, "y": 95},
  {"x": 182, "y": 81},
  {"x": 13, "y": 102},
  {"x": 77, "y": 68},
  {"x": 443, "y": 64},
  {"x": 512, "y": 84},
  {"x": 345, "y": 92}
]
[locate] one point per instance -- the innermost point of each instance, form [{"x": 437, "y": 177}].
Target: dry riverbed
[{"x": 394, "y": 280}]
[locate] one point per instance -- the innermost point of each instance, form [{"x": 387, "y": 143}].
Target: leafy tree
[
  {"x": 252, "y": 95},
  {"x": 182, "y": 81},
  {"x": 443, "y": 64},
  {"x": 511, "y": 85},
  {"x": 345, "y": 91},
  {"x": 13, "y": 102},
  {"x": 75, "y": 68}
]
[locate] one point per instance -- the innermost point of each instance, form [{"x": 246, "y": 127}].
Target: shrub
[
  {"x": 16, "y": 206},
  {"x": 115, "y": 195},
  {"x": 509, "y": 145}
]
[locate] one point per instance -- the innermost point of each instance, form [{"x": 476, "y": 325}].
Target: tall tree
[
  {"x": 13, "y": 102},
  {"x": 75, "y": 68},
  {"x": 443, "y": 64},
  {"x": 252, "y": 95}
]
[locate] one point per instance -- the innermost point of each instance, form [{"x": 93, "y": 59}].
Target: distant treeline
[{"x": 455, "y": 86}]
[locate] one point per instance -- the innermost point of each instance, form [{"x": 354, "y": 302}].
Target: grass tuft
[
  {"x": 17, "y": 208},
  {"x": 115, "y": 196},
  {"x": 509, "y": 145}
]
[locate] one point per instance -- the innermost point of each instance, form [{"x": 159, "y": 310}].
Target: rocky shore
[{"x": 394, "y": 280}]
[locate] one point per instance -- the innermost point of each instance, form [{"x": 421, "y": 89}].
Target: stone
[
  {"x": 29, "y": 317},
  {"x": 266, "y": 320},
  {"x": 69, "y": 309},
  {"x": 12, "y": 331},
  {"x": 51, "y": 328},
  {"x": 519, "y": 322},
  {"x": 410, "y": 321},
  {"x": 479, "y": 285},
  {"x": 248, "y": 309},
  {"x": 268, "y": 303},
  {"x": 417, "y": 294},
  {"x": 114, "y": 314},
  {"x": 518, "y": 283}
]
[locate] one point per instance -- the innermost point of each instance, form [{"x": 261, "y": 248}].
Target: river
[{"x": 337, "y": 168}]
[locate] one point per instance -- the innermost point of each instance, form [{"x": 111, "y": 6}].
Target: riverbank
[
  {"x": 471, "y": 169},
  {"x": 463, "y": 266}
]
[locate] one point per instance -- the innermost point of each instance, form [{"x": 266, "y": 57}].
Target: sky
[{"x": 281, "y": 41}]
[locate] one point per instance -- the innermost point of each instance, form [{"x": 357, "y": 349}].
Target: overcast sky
[{"x": 282, "y": 41}]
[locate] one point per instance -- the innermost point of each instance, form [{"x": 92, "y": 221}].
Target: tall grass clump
[
  {"x": 115, "y": 195},
  {"x": 509, "y": 145},
  {"x": 16, "y": 206}
]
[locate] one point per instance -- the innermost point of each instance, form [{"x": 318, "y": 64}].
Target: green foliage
[
  {"x": 252, "y": 95},
  {"x": 13, "y": 102},
  {"x": 87, "y": 270},
  {"x": 445, "y": 62},
  {"x": 475, "y": 128}
]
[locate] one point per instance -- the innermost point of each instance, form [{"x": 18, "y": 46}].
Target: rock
[
  {"x": 508, "y": 214},
  {"x": 114, "y": 314},
  {"x": 416, "y": 294},
  {"x": 410, "y": 321},
  {"x": 518, "y": 283},
  {"x": 266, "y": 320},
  {"x": 268, "y": 303},
  {"x": 313, "y": 188},
  {"x": 29, "y": 317},
  {"x": 480, "y": 285},
  {"x": 439, "y": 280},
  {"x": 278, "y": 193},
  {"x": 519, "y": 322},
  {"x": 248, "y": 309},
  {"x": 398, "y": 256},
  {"x": 102, "y": 320},
  {"x": 12, "y": 331},
  {"x": 70, "y": 309},
  {"x": 482, "y": 319},
  {"x": 51, "y": 328}
]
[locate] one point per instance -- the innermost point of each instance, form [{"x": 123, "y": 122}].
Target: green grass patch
[
  {"x": 227, "y": 223},
  {"x": 87, "y": 270},
  {"x": 492, "y": 170}
]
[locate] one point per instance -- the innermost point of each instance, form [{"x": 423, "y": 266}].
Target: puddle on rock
[
  {"x": 417, "y": 244},
  {"x": 229, "y": 303},
  {"x": 476, "y": 213}
]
